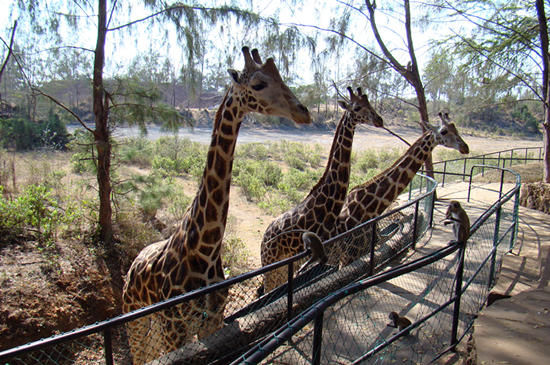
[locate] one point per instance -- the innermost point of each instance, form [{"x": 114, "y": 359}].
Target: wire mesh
[{"x": 350, "y": 329}]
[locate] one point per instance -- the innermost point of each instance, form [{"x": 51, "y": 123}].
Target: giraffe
[
  {"x": 318, "y": 211},
  {"x": 190, "y": 258},
  {"x": 369, "y": 200}
]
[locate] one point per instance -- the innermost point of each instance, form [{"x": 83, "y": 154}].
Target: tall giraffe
[
  {"x": 190, "y": 258},
  {"x": 318, "y": 211},
  {"x": 369, "y": 200}
]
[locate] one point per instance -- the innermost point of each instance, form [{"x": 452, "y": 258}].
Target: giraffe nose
[{"x": 303, "y": 109}]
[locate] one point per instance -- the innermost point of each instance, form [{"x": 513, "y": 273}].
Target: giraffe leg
[
  {"x": 139, "y": 334},
  {"x": 215, "y": 312}
]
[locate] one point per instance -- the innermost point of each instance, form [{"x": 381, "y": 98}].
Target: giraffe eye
[
  {"x": 259, "y": 86},
  {"x": 444, "y": 132},
  {"x": 356, "y": 109}
]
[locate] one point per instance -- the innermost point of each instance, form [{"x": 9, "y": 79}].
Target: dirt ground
[{"x": 41, "y": 295}]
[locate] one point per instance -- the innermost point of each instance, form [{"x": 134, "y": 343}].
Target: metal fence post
[
  {"x": 511, "y": 157},
  {"x": 444, "y": 173},
  {"x": 415, "y": 224},
  {"x": 495, "y": 242},
  {"x": 464, "y": 169},
  {"x": 498, "y": 161},
  {"x": 458, "y": 295},
  {"x": 483, "y": 168},
  {"x": 317, "y": 339},
  {"x": 432, "y": 207},
  {"x": 525, "y": 161},
  {"x": 290, "y": 289},
  {"x": 372, "y": 245},
  {"x": 107, "y": 338},
  {"x": 515, "y": 218}
]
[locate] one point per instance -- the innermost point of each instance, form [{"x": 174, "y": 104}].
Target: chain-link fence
[
  {"x": 145, "y": 335},
  {"x": 434, "y": 299}
]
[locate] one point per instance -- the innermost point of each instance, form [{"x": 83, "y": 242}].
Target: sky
[{"x": 149, "y": 37}]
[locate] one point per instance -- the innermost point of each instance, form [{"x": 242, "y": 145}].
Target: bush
[
  {"x": 136, "y": 151},
  {"x": 81, "y": 145},
  {"x": 33, "y": 211},
  {"x": 23, "y": 134}
]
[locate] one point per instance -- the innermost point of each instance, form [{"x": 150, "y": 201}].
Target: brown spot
[
  {"x": 206, "y": 250},
  {"x": 235, "y": 109},
  {"x": 383, "y": 185},
  {"x": 390, "y": 195},
  {"x": 211, "y": 183},
  {"x": 343, "y": 173},
  {"x": 202, "y": 197},
  {"x": 227, "y": 116},
  {"x": 415, "y": 165},
  {"x": 218, "y": 195},
  {"x": 169, "y": 261},
  {"x": 211, "y": 212},
  {"x": 229, "y": 102},
  {"x": 194, "y": 283},
  {"x": 404, "y": 179},
  {"x": 227, "y": 128},
  {"x": 212, "y": 235},
  {"x": 220, "y": 166},
  {"x": 193, "y": 236},
  {"x": 210, "y": 159},
  {"x": 225, "y": 144},
  {"x": 211, "y": 272}
]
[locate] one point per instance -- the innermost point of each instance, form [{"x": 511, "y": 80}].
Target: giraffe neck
[
  {"x": 335, "y": 179},
  {"x": 204, "y": 222},
  {"x": 370, "y": 199}
]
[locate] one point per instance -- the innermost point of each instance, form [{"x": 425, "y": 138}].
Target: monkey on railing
[
  {"x": 313, "y": 243},
  {"x": 456, "y": 215}
]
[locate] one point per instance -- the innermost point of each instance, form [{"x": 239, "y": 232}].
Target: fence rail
[
  {"x": 433, "y": 296},
  {"x": 458, "y": 167},
  {"x": 110, "y": 338}
]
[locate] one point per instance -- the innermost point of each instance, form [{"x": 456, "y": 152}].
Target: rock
[{"x": 536, "y": 196}]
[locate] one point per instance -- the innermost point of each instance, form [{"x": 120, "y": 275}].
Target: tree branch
[
  {"x": 477, "y": 50},
  {"x": 10, "y": 49},
  {"x": 60, "y": 104}
]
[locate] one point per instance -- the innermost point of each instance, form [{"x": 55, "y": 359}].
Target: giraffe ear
[
  {"x": 343, "y": 104},
  {"x": 234, "y": 75}
]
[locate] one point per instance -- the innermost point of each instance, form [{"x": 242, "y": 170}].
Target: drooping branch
[{"x": 10, "y": 50}]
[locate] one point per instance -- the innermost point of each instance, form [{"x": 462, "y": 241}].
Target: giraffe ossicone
[
  {"x": 190, "y": 258},
  {"x": 317, "y": 213}
]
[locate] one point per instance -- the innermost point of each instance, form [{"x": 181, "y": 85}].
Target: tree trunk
[
  {"x": 102, "y": 133},
  {"x": 543, "y": 29}
]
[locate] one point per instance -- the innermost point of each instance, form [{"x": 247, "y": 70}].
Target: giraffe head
[
  {"x": 447, "y": 135},
  {"x": 262, "y": 89},
  {"x": 360, "y": 109}
]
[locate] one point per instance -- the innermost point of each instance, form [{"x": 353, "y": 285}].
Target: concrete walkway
[{"x": 513, "y": 330}]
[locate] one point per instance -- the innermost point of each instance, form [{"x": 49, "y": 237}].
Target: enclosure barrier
[
  {"x": 441, "y": 293},
  {"x": 458, "y": 167},
  {"x": 247, "y": 317}
]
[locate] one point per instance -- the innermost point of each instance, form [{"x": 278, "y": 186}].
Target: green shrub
[
  {"x": 23, "y": 134},
  {"x": 81, "y": 146},
  {"x": 136, "y": 151},
  {"x": 34, "y": 211},
  {"x": 234, "y": 256}
]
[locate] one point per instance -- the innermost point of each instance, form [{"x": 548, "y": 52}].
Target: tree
[
  {"x": 508, "y": 44},
  {"x": 47, "y": 23},
  {"x": 410, "y": 71},
  {"x": 9, "y": 52}
]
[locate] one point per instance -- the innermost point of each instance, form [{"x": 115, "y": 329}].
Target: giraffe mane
[
  {"x": 332, "y": 148},
  {"x": 219, "y": 112},
  {"x": 395, "y": 163}
]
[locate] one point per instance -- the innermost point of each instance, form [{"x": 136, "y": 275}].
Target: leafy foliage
[{"x": 23, "y": 134}]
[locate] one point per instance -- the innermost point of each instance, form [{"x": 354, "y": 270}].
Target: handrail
[
  {"x": 316, "y": 311},
  {"x": 105, "y": 325}
]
